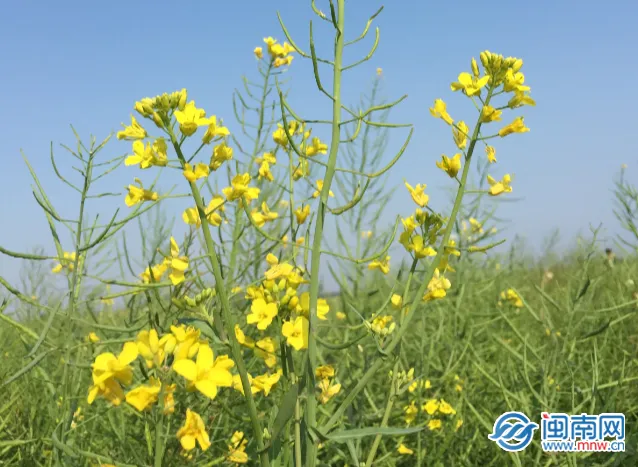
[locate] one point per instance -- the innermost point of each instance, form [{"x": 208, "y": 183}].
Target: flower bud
[
  {"x": 183, "y": 95},
  {"x": 475, "y": 69},
  {"x": 518, "y": 64},
  {"x": 158, "y": 120},
  {"x": 485, "y": 59}
]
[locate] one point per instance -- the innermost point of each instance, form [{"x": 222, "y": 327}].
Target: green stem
[
  {"x": 386, "y": 415},
  {"x": 226, "y": 314},
  {"x": 311, "y": 402}
]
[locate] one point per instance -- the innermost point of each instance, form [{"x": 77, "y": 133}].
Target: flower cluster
[
  {"x": 434, "y": 410},
  {"x": 182, "y": 352},
  {"x": 279, "y": 54},
  {"x": 176, "y": 263},
  {"x": 510, "y": 296},
  {"x": 500, "y": 76}
]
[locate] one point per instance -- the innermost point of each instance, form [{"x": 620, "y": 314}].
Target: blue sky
[{"x": 86, "y": 63}]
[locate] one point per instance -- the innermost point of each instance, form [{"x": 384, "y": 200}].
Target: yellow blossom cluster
[
  {"x": 327, "y": 387},
  {"x": 435, "y": 410},
  {"x": 500, "y": 76},
  {"x": 279, "y": 54},
  {"x": 176, "y": 263},
  {"x": 182, "y": 352},
  {"x": 67, "y": 263},
  {"x": 510, "y": 296}
]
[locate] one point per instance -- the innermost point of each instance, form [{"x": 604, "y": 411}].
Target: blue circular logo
[{"x": 513, "y": 431}]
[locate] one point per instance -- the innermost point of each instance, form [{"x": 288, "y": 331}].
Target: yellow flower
[
  {"x": 147, "y": 155},
  {"x": 302, "y": 214},
  {"x": 92, "y": 337},
  {"x": 410, "y": 413},
  {"x": 328, "y": 390},
  {"x": 133, "y": 131},
  {"x": 242, "y": 338},
  {"x": 431, "y": 406},
  {"x": 67, "y": 262},
  {"x": 191, "y": 215},
  {"x": 207, "y": 373},
  {"x": 450, "y": 166},
  {"x": 517, "y": 126},
  {"x": 279, "y": 136},
  {"x": 278, "y": 270},
  {"x": 460, "y": 132},
  {"x": 221, "y": 154},
  {"x": 193, "y": 431},
  {"x": 469, "y": 84},
  {"x": 325, "y": 371},
  {"x": 169, "y": 399},
  {"x": 440, "y": 111},
  {"x": 191, "y": 118},
  {"x": 340, "y": 315},
  {"x": 490, "y": 114},
  {"x": 320, "y": 189},
  {"x": 182, "y": 342},
  {"x": 264, "y": 172},
  {"x": 322, "y": 306},
  {"x": 148, "y": 347},
  {"x": 137, "y": 194},
  {"x": 367, "y": 234},
  {"x": 403, "y": 449},
  {"x": 214, "y": 131},
  {"x": 264, "y": 383},
  {"x": 109, "y": 371},
  {"x": 437, "y": 287},
  {"x": 417, "y": 194},
  {"x": 237, "y": 448},
  {"x": 520, "y": 99},
  {"x": 496, "y": 188},
  {"x": 154, "y": 273},
  {"x": 446, "y": 408},
  {"x": 491, "y": 154},
  {"x": 259, "y": 53},
  {"x": 144, "y": 396},
  {"x": 296, "y": 332},
  {"x": 201, "y": 170},
  {"x": 177, "y": 263},
  {"x": 511, "y": 296},
  {"x": 514, "y": 82},
  {"x": 382, "y": 325},
  {"x": 260, "y": 218},
  {"x": 379, "y": 71},
  {"x": 240, "y": 189},
  {"x": 265, "y": 349},
  {"x": 262, "y": 313},
  {"x": 381, "y": 265},
  {"x": 477, "y": 227},
  {"x": 459, "y": 424},
  {"x": 427, "y": 384},
  {"x": 417, "y": 245},
  {"x": 434, "y": 424},
  {"x": 397, "y": 301},
  {"x": 316, "y": 147}
]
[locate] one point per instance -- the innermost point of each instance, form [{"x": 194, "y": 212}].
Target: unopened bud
[
  {"x": 518, "y": 64},
  {"x": 475, "y": 69},
  {"x": 158, "y": 120}
]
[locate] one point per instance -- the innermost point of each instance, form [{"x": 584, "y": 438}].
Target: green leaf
[
  {"x": 343, "y": 436},
  {"x": 286, "y": 411}
]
